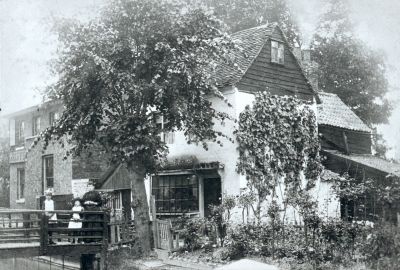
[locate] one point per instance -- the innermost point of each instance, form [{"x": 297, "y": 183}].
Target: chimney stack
[
  {"x": 306, "y": 56},
  {"x": 297, "y": 53},
  {"x": 310, "y": 67}
]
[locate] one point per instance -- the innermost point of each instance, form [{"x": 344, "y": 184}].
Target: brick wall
[{"x": 33, "y": 161}]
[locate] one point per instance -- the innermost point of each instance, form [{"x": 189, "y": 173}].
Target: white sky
[{"x": 26, "y": 45}]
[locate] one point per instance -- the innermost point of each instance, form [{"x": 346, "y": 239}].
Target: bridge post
[
  {"x": 87, "y": 261},
  {"x": 44, "y": 234},
  {"x": 106, "y": 221}
]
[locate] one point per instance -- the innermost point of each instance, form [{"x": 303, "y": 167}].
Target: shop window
[{"x": 176, "y": 193}]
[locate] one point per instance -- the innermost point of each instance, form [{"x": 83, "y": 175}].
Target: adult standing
[{"x": 92, "y": 201}]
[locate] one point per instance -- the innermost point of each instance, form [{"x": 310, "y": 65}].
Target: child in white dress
[
  {"x": 75, "y": 222},
  {"x": 49, "y": 206}
]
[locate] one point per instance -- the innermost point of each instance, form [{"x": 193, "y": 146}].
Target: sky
[{"x": 27, "y": 45}]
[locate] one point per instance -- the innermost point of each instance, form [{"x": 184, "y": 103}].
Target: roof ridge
[
  {"x": 327, "y": 94},
  {"x": 256, "y": 27}
]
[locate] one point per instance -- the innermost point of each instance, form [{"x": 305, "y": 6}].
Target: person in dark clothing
[{"x": 92, "y": 201}]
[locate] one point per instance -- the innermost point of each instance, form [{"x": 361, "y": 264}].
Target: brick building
[{"x": 34, "y": 170}]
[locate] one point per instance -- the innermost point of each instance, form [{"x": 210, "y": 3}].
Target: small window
[
  {"x": 36, "y": 126},
  {"x": 53, "y": 117},
  {"x": 48, "y": 172},
  {"x": 20, "y": 134},
  {"x": 166, "y": 136},
  {"x": 277, "y": 52},
  {"x": 20, "y": 183}
]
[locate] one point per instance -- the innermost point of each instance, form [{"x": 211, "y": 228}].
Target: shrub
[
  {"x": 381, "y": 247},
  {"x": 220, "y": 216},
  {"x": 191, "y": 230}
]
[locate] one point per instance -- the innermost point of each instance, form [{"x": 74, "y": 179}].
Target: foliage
[
  {"x": 370, "y": 199},
  {"x": 379, "y": 145},
  {"x": 246, "y": 201},
  {"x": 138, "y": 61},
  {"x": 348, "y": 68},
  {"x": 208, "y": 232},
  {"x": 220, "y": 216},
  {"x": 277, "y": 139},
  {"x": 331, "y": 240},
  {"x": 240, "y": 15},
  {"x": 192, "y": 230},
  {"x": 382, "y": 247}
]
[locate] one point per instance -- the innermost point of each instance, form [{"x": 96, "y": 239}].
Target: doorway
[{"x": 212, "y": 193}]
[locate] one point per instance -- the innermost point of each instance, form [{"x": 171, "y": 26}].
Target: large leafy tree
[
  {"x": 240, "y": 15},
  {"x": 118, "y": 73},
  {"x": 348, "y": 68}
]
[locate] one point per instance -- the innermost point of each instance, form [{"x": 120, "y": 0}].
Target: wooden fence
[
  {"x": 122, "y": 232},
  {"x": 164, "y": 235}
]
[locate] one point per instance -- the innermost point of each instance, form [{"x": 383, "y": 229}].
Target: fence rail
[
  {"x": 27, "y": 229},
  {"x": 122, "y": 232}
]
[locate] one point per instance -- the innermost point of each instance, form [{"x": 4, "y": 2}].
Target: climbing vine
[{"x": 278, "y": 139}]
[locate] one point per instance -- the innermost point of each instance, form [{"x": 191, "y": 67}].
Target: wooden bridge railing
[
  {"x": 21, "y": 227},
  {"x": 28, "y": 230}
]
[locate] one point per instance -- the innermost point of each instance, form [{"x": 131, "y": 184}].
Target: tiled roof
[
  {"x": 250, "y": 42},
  {"x": 371, "y": 161},
  {"x": 333, "y": 112}
]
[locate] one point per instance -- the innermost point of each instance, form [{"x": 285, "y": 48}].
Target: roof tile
[
  {"x": 250, "y": 42},
  {"x": 371, "y": 161},
  {"x": 333, "y": 112}
]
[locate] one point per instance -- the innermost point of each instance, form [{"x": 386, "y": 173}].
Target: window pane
[
  {"x": 21, "y": 132},
  {"x": 178, "y": 193},
  {"x": 179, "y": 181},
  {"x": 50, "y": 182},
  {"x": 274, "y": 55},
  {"x": 21, "y": 183},
  {"x": 36, "y": 126},
  {"x": 281, "y": 53},
  {"x": 161, "y": 181},
  {"x": 49, "y": 167},
  {"x": 155, "y": 182},
  {"x": 49, "y": 171}
]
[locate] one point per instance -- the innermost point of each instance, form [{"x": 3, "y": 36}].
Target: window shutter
[{"x": 12, "y": 132}]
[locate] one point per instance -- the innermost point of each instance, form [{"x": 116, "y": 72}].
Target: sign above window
[{"x": 277, "y": 52}]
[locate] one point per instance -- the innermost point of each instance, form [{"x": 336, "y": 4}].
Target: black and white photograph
[{"x": 199, "y": 134}]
